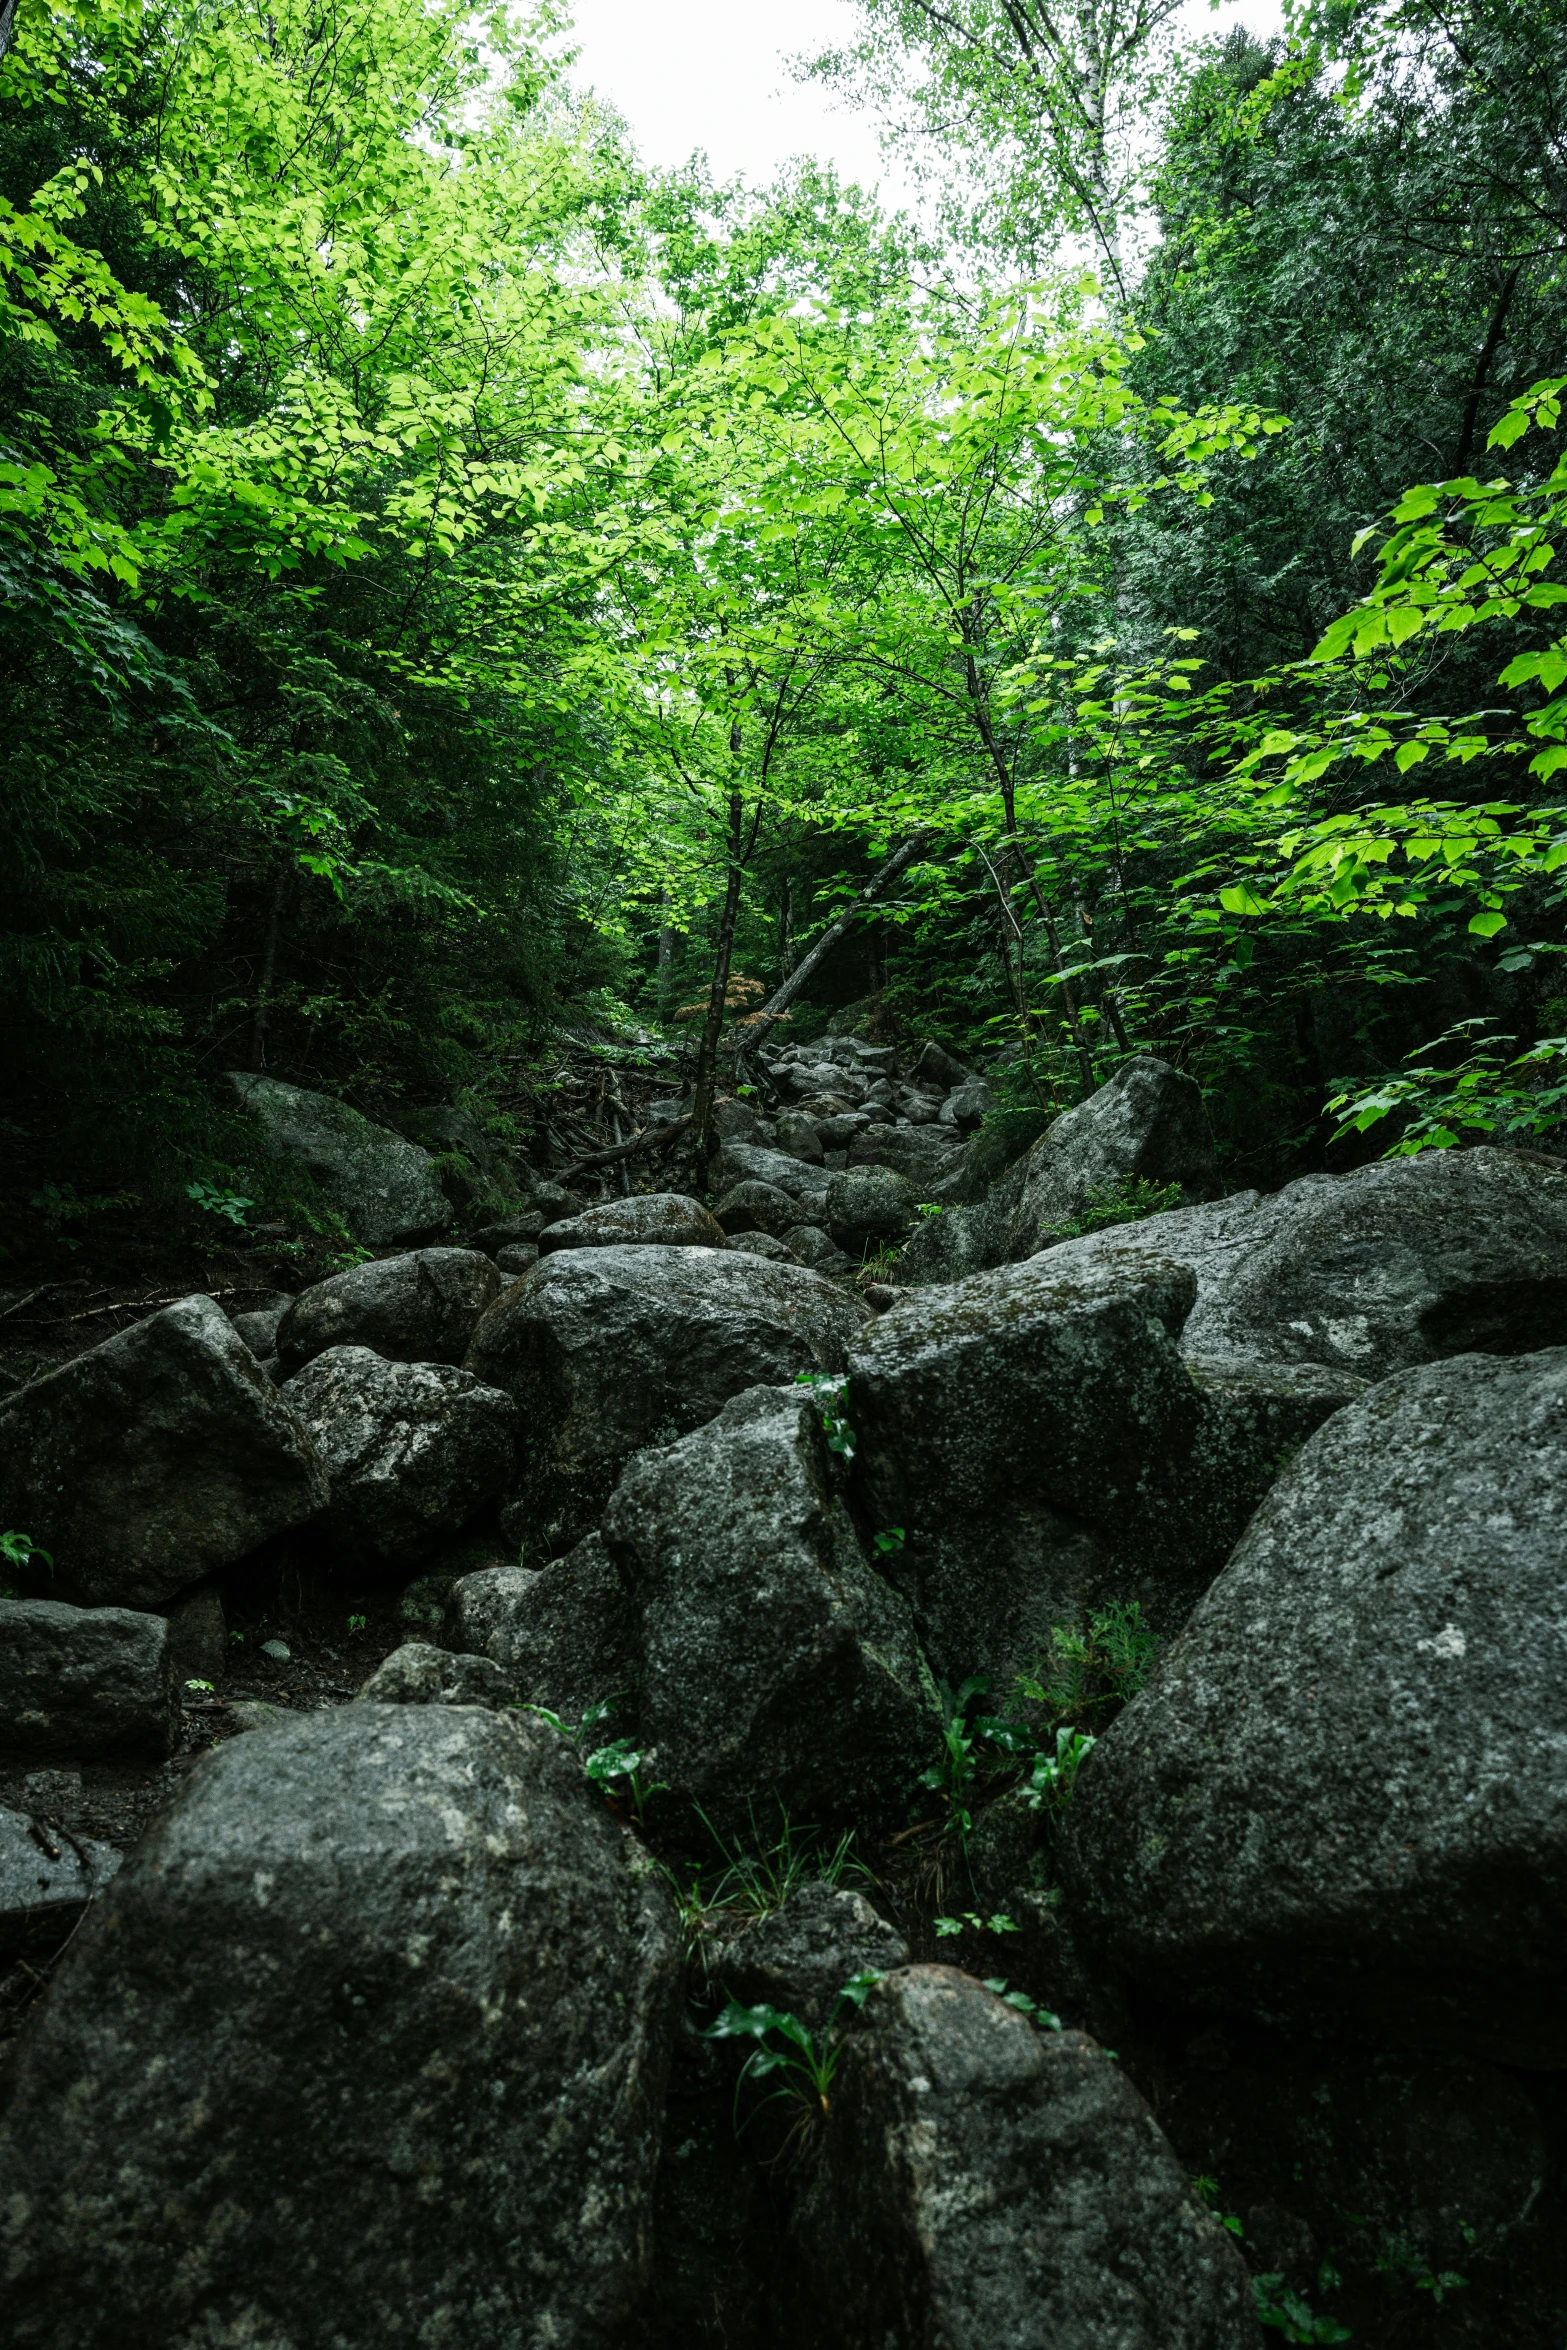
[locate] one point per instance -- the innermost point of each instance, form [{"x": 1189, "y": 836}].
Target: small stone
[
  {"x": 516, "y": 1258},
  {"x": 278, "y": 1650}
]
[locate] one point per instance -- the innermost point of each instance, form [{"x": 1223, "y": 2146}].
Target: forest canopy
[{"x": 462, "y": 585}]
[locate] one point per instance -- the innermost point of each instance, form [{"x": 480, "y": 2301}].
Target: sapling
[{"x": 808, "y": 2060}]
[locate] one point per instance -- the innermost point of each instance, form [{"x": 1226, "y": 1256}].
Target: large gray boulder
[
  {"x": 757, "y": 1207},
  {"x": 776, "y": 1667},
  {"x": 983, "y": 2182},
  {"x": 366, "y": 2042},
  {"x": 869, "y": 1208},
  {"x": 922, "y": 1155},
  {"x": 1341, "y": 1796},
  {"x": 1046, "y": 1450},
  {"x": 46, "y": 1881},
  {"x": 745, "y": 1162},
  {"x": 564, "y": 1634},
  {"x": 411, "y": 1449},
  {"x": 1147, "y": 1124},
  {"x": 87, "y": 1684},
  {"x": 608, "y": 1350},
  {"x": 1402, "y": 1262},
  {"x": 155, "y": 1458},
  {"x": 418, "y": 1308},
  {"x": 385, "y": 1189},
  {"x": 656, "y": 1219}
]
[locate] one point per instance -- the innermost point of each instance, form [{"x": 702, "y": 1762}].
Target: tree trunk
[
  {"x": 7, "y": 26},
  {"x": 712, "y": 1026},
  {"x": 878, "y": 885},
  {"x": 261, "y": 1016}
]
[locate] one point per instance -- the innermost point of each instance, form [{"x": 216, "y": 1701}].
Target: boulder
[
  {"x": 757, "y": 1207},
  {"x": 1146, "y": 1125},
  {"x": 564, "y": 1634},
  {"x": 517, "y": 1258},
  {"x": 417, "y": 1674},
  {"x": 762, "y": 1244},
  {"x": 798, "y": 1136},
  {"x": 869, "y": 1207},
  {"x": 46, "y": 1881},
  {"x": 367, "y": 2041},
  {"x": 920, "y": 1154},
  {"x": 258, "y": 1327},
  {"x": 419, "y": 1308},
  {"x": 1340, "y": 1796},
  {"x": 608, "y": 1350},
  {"x": 87, "y": 1684},
  {"x": 411, "y": 1449},
  {"x": 385, "y": 1189},
  {"x": 1047, "y": 1450},
  {"x": 981, "y": 2181},
  {"x": 1402, "y": 1262},
  {"x": 809, "y": 1245},
  {"x": 776, "y": 1667},
  {"x": 968, "y": 1107},
  {"x": 939, "y": 1070},
  {"x": 154, "y": 1459},
  {"x": 656, "y": 1219},
  {"x": 742, "y": 1162},
  {"x": 799, "y": 1959},
  {"x": 508, "y": 1231}
]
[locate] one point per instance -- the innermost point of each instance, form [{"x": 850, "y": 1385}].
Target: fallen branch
[
  {"x": 649, "y": 1138},
  {"x": 881, "y": 881}
]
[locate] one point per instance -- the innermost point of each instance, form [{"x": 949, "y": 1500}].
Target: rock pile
[{"x": 414, "y": 2018}]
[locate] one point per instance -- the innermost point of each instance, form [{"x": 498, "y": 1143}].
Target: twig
[
  {"x": 650, "y": 1138},
  {"x": 30, "y": 1299}
]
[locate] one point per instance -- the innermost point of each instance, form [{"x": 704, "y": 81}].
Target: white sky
[{"x": 714, "y": 74}]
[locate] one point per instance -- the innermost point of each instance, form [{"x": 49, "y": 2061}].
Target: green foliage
[
  {"x": 1284, "y": 2311},
  {"x": 1044, "y": 2017},
  {"x": 1053, "y": 1776},
  {"x": 1000, "y": 1923},
  {"x": 829, "y": 1391},
  {"x": 953, "y": 1775},
  {"x": 20, "y": 1550},
  {"x": 1089, "y": 1675},
  {"x": 1126, "y": 1201},
  {"x": 807, "y": 2061},
  {"x": 758, "y": 1878},
  {"x": 216, "y": 1201},
  {"x": 1474, "y": 1091}
]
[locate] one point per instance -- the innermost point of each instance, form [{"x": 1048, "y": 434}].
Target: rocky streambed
[{"x": 929, "y": 1779}]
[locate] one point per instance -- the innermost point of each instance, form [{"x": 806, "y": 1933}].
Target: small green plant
[
  {"x": 953, "y": 1774},
  {"x": 355, "y": 1624},
  {"x": 999, "y": 1924},
  {"x": 1125, "y": 1202},
  {"x": 1284, "y": 2311},
  {"x": 1401, "y": 2259},
  {"x": 621, "y": 1760},
  {"x": 19, "y": 1550},
  {"x": 807, "y": 2060},
  {"x": 1053, "y": 1777},
  {"x": 1045, "y": 2017},
  {"x": 830, "y": 1394},
  {"x": 204, "y": 1685},
  {"x": 1089, "y": 1676},
  {"x": 890, "y": 1540},
  {"x": 216, "y": 1201},
  {"x": 1207, "y": 2191},
  {"x": 930, "y": 1207},
  {"x": 759, "y": 1879}
]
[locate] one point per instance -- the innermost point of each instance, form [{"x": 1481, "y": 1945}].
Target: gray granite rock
[
  {"x": 154, "y": 1459},
  {"x": 417, "y": 1674},
  {"x": 868, "y": 1208},
  {"x": 85, "y": 1684},
  {"x": 411, "y": 1449},
  {"x": 47, "y": 1879},
  {"x": 564, "y": 1634},
  {"x": 608, "y": 1350},
  {"x": 981, "y": 2181},
  {"x": 384, "y": 1188},
  {"x": 757, "y": 1207},
  {"x": 799, "y": 1959},
  {"x": 418, "y": 1308},
  {"x": 776, "y": 1667},
  {"x": 657, "y": 1219},
  {"x": 366, "y": 2041},
  {"x": 1341, "y": 1795}
]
